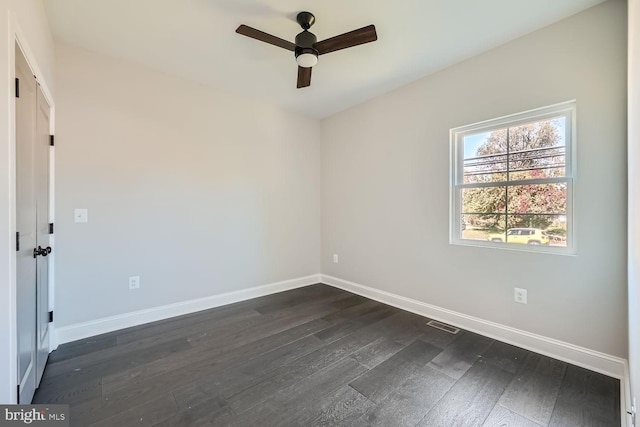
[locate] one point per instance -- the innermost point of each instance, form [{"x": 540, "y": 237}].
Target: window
[{"x": 512, "y": 181}]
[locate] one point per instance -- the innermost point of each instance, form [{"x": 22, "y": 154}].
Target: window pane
[
  {"x": 481, "y": 226},
  {"x": 535, "y": 214},
  {"x": 553, "y": 234},
  {"x": 537, "y": 150},
  {"x": 485, "y": 157},
  {"x": 483, "y": 212},
  {"x": 489, "y": 200},
  {"x": 538, "y": 212},
  {"x": 540, "y": 199}
]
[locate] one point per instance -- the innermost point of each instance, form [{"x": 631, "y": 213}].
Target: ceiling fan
[{"x": 307, "y": 48}]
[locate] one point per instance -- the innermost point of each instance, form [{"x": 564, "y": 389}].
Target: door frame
[{"x": 18, "y": 36}]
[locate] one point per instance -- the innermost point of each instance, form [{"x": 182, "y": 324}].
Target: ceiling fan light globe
[{"x": 307, "y": 60}]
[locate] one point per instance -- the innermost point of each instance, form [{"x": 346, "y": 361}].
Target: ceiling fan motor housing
[{"x": 304, "y": 44}]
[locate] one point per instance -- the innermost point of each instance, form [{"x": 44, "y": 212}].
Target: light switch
[{"x": 81, "y": 215}]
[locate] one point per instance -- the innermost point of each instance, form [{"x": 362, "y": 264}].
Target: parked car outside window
[{"x": 526, "y": 236}]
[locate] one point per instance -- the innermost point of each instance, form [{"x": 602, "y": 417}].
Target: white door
[
  {"x": 25, "y": 228},
  {"x": 41, "y": 161},
  {"x": 32, "y": 228}
]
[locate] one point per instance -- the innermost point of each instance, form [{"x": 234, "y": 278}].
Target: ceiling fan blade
[
  {"x": 304, "y": 77},
  {"x": 264, "y": 37},
  {"x": 352, "y": 38}
]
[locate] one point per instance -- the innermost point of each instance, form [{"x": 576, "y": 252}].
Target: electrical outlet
[
  {"x": 335, "y": 258},
  {"x": 134, "y": 282},
  {"x": 520, "y": 295}
]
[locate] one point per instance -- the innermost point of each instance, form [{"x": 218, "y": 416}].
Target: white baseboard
[
  {"x": 576, "y": 355},
  {"x": 108, "y": 324}
]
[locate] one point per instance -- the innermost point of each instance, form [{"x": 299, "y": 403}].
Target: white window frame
[{"x": 457, "y": 135}]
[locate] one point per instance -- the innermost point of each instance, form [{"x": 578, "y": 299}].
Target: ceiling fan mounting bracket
[{"x": 306, "y": 20}]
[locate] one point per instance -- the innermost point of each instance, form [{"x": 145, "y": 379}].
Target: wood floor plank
[
  {"x": 271, "y": 323},
  {"x": 502, "y": 417},
  {"x": 341, "y": 408},
  {"x": 209, "y": 384},
  {"x": 300, "y": 296},
  {"x": 283, "y": 355},
  {"x": 373, "y": 354},
  {"x": 350, "y": 301},
  {"x": 409, "y": 403},
  {"x": 577, "y": 415},
  {"x": 86, "y": 372},
  {"x": 471, "y": 399},
  {"x": 61, "y": 392},
  {"x": 587, "y": 399},
  {"x": 354, "y": 311},
  {"x": 345, "y": 328},
  {"x": 534, "y": 390},
  {"x": 229, "y": 345},
  {"x": 283, "y": 407},
  {"x": 138, "y": 392},
  {"x": 212, "y": 316},
  {"x": 505, "y": 356},
  {"x": 244, "y": 319},
  {"x": 376, "y": 384},
  {"x": 288, "y": 375},
  {"x": 404, "y": 327},
  {"x": 337, "y": 331},
  {"x": 188, "y": 327},
  {"x": 234, "y": 378},
  {"x": 303, "y": 367},
  {"x": 83, "y": 347},
  {"x": 147, "y": 414},
  {"x": 211, "y": 412},
  {"x": 461, "y": 354}
]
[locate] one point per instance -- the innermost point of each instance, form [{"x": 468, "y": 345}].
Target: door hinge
[
  {"x": 17, "y": 241},
  {"x": 52, "y": 140},
  {"x": 18, "y": 395},
  {"x": 50, "y": 228},
  {"x": 50, "y": 316},
  {"x": 17, "y": 87}
]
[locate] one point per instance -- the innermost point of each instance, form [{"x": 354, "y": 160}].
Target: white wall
[
  {"x": 26, "y": 19},
  {"x": 385, "y": 186},
  {"x": 634, "y": 197},
  {"x": 197, "y": 191}
]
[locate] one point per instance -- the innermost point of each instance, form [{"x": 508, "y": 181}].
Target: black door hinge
[
  {"x": 50, "y": 316},
  {"x": 18, "y": 395},
  {"x": 52, "y": 140},
  {"x": 17, "y": 87},
  {"x": 50, "y": 228},
  {"x": 17, "y": 241}
]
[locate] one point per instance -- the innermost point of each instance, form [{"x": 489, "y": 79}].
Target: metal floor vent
[{"x": 443, "y": 326}]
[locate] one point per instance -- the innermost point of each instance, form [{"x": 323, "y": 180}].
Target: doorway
[{"x": 32, "y": 228}]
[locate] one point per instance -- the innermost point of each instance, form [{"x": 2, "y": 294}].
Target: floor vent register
[{"x": 443, "y": 326}]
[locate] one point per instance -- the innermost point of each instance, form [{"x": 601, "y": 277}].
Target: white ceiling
[{"x": 196, "y": 39}]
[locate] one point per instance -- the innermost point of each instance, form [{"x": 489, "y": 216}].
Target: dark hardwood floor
[{"x": 317, "y": 356}]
